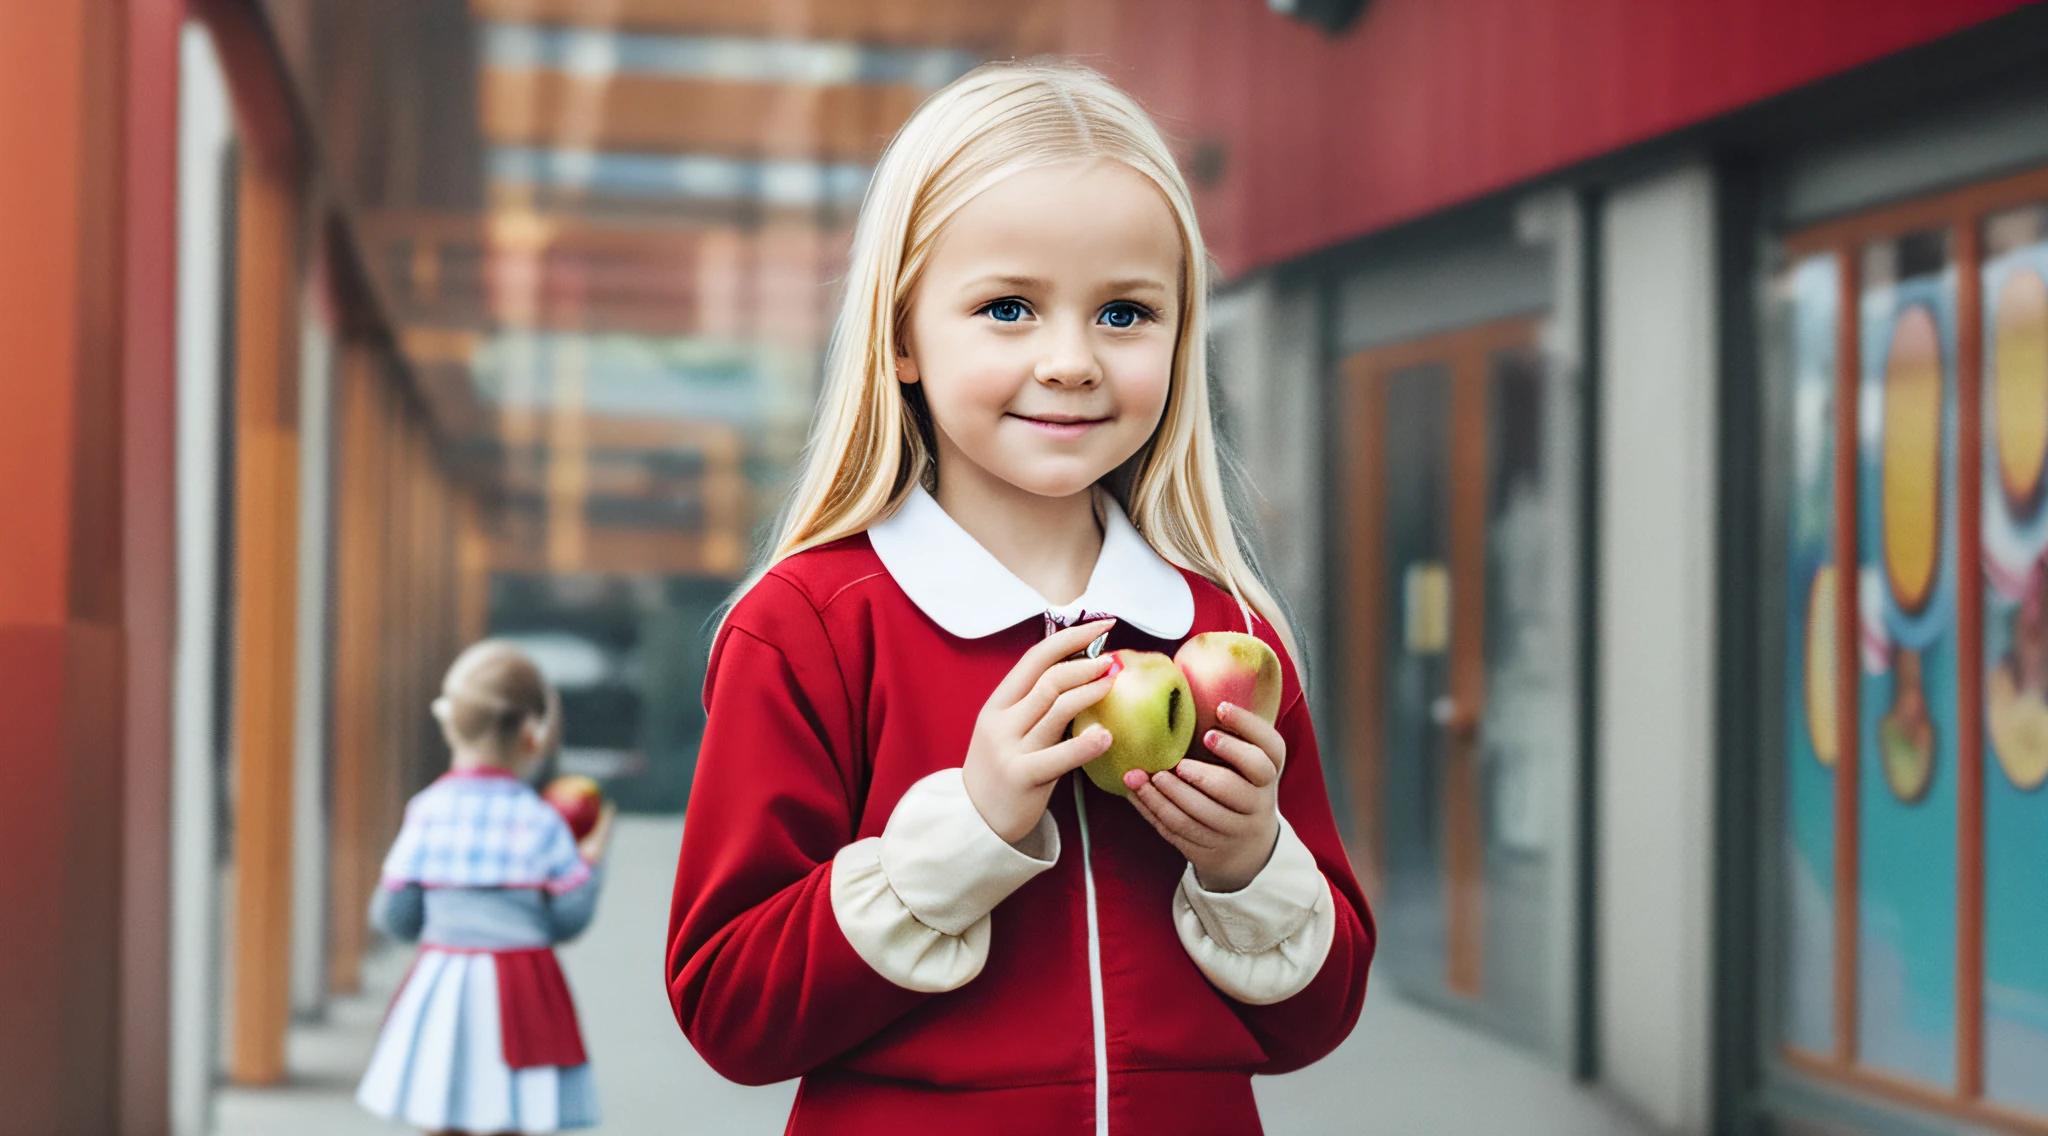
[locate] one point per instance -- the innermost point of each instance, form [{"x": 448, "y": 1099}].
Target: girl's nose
[{"x": 1069, "y": 362}]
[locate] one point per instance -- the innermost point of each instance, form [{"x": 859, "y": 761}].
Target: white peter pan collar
[{"x": 967, "y": 591}]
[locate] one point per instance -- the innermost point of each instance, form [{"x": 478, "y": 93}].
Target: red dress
[{"x": 833, "y": 695}]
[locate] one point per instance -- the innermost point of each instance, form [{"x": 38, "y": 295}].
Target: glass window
[
  {"x": 1914, "y": 825},
  {"x": 1907, "y": 697},
  {"x": 1808, "y": 296},
  {"x": 2015, "y": 540}
]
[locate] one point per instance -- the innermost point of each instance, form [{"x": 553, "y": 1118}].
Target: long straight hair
[{"x": 873, "y": 437}]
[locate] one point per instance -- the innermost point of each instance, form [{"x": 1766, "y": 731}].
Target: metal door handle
[{"x": 1456, "y": 719}]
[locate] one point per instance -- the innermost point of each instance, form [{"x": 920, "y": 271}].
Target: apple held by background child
[
  {"x": 1229, "y": 666},
  {"x": 578, "y": 799},
  {"x": 1149, "y": 713}
]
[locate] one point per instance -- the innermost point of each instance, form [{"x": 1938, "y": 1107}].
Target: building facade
[{"x": 1642, "y": 400}]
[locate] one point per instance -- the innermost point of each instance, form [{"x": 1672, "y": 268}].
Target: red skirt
[{"x": 536, "y": 1016}]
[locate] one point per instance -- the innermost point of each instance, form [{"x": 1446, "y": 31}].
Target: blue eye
[
  {"x": 1123, "y": 314},
  {"x": 1006, "y": 311}
]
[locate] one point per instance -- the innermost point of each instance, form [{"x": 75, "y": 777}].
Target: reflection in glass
[
  {"x": 2015, "y": 536},
  {"x": 1806, "y": 311},
  {"x": 1529, "y": 728},
  {"x": 1906, "y": 933},
  {"x": 1416, "y": 666}
]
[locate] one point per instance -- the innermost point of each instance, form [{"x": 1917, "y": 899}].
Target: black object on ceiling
[{"x": 1334, "y": 17}]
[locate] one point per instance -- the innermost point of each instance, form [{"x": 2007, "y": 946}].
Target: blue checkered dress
[
  {"x": 484, "y": 829},
  {"x": 439, "y": 1061}
]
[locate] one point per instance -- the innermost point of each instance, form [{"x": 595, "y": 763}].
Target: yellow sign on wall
[{"x": 1426, "y": 607}]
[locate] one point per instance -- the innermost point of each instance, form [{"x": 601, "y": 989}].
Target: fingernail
[
  {"x": 1223, "y": 708},
  {"x": 1134, "y": 779},
  {"x": 1211, "y": 738}
]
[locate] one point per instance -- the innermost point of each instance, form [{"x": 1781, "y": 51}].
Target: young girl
[
  {"x": 893, "y": 882},
  {"x": 485, "y": 875}
]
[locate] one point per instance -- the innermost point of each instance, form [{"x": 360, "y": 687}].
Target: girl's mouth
[{"x": 1061, "y": 426}]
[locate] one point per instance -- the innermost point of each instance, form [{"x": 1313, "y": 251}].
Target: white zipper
[{"x": 1094, "y": 967}]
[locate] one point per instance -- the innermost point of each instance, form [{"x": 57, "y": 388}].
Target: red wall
[{"x": 1425, "y": 103}]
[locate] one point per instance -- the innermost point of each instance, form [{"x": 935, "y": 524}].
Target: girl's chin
[
  {"x": 1063, "y": 482},
  {"x": 1028, "y": 461}
]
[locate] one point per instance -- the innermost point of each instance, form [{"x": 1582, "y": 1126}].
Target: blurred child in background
[{"x": 487, "y": 877}]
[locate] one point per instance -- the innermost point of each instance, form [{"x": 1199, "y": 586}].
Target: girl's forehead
[{"x": 1092, "y": 215}]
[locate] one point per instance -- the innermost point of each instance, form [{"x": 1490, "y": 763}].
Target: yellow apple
[{"x": 1149, "y": 713}]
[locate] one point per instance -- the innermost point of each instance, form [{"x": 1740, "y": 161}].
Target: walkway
[{"x": 1404, "y": 1071}]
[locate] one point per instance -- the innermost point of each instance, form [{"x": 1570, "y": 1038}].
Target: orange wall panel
[{"x": 42, "y": 56}]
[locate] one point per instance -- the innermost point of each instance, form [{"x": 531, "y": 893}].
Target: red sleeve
[
  {"x": 762, "y": 980},
  {"x": 1305, "y": 1028}
]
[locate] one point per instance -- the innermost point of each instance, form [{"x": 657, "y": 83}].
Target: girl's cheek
[
  {"x": 990, "y": 387},
  {"x": 1143, "y": 382}
]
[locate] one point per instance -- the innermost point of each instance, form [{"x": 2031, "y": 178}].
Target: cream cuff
[
  {"x": 915, "y": 902},
  {"x": 1265, "y": 942}
]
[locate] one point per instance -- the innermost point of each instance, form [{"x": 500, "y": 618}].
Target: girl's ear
[{"x": 906, "y": 367}]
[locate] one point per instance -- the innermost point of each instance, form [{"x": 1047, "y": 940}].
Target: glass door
[{"x": 1460, "y": 672}]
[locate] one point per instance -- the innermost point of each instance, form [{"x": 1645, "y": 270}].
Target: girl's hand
[
  {"x": 1224, "y": 818},
  {"x": 593, "y": 843},
  {"x": 1017, "y": 753}
]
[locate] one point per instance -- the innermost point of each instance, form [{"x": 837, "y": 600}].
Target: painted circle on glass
[
  {"x": 1911, "y": 467},
  {"x": 2018, "y": 721},
  {"x": 1822, "y": 723},
  {"x": 2019, "y": 368}
]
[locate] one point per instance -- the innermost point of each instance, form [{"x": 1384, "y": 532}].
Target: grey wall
[{"x": 1656, "y": 573}]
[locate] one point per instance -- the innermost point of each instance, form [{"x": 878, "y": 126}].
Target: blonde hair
[
  {"x": 871, "y": 439},
  {"x": 491, "y": 694}
]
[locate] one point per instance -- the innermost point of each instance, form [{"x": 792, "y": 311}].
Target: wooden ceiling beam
[
  {"x": 446, "y": 278},
  {"x": 645, "y": 113},
  {"x": 1017, "y": 27},
  {"x": 718, "y": 441}
]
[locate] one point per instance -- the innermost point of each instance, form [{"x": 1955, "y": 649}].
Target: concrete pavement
[{"x": 1405, "y": 1071}]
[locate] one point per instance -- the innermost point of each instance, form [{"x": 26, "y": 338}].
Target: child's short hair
[{"x": 492, "y": 692}]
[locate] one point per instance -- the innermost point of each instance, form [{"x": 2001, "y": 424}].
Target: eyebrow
[{"x": 1132, "y": 284}]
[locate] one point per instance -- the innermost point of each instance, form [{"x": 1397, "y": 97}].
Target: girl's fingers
[
  {"x": 1221, "y": 784},
  {"x": 1255, "y": 730},
  {"x": 1042, "y": 656},
  {"x": 592, "y": 846},
  {"x": 1172, "y": 823},
  {"x": 1043, "y": 767},
  {"x": 1151, "y": 818},
  {"x": 1055, "y": 683},
  {"x": 1053, "y": 723},
  {"x": 1199, "y": 806},
  {"x": 1254, "y": 764}
]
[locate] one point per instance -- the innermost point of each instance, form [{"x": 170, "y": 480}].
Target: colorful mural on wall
[
  {"x": 1912, "y": 931},
  {"x": 2015, "y": 536},
  {"x": 1906, "y": 796},
  {"x": 1812, "y": 726}
]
